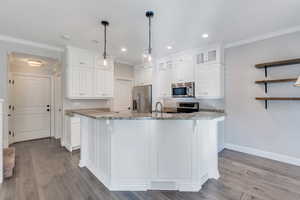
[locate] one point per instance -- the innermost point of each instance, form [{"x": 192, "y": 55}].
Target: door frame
[{"x": 52, "y": 111}]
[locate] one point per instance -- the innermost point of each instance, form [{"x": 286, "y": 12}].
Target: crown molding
[
  {"x": 6, "y": 38},
  {"x": 263, "y": 37}
]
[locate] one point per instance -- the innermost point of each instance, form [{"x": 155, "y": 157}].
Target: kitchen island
[{"x": 150, "y": 151}]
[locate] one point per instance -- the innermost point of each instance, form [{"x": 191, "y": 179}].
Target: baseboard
[{"x": 264, "y": 154}]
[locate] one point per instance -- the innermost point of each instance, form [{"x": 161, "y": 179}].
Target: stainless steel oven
[{"x": 183, "y": 90}]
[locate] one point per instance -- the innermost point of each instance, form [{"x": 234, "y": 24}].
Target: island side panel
[
  {"x": 130, "y": 155},
  {"x": 208, "y": 133},
  {"x": 95, "y": 148}
]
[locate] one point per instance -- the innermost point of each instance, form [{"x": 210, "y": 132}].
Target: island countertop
[{"x": 129, "y": 115}]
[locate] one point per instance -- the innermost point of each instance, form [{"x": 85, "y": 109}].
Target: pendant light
[
  {"x": 297, "y": 84},
  {"x": 105, "y": 24},
  {"x": 149, "y": 15}
]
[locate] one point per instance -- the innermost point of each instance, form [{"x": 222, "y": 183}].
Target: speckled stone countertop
[{"x": 128, "y": 115}]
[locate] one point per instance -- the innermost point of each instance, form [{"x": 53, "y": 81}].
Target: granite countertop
[{"x": 129, "y": 115}]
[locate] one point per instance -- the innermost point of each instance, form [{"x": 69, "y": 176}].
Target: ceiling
[{"x": 179, "y": 23}]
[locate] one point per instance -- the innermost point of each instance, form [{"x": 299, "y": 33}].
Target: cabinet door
[
  {"x": 209, "y": 81},
  {"x": 104, "y": 82},
  {"x": 79, "y": 57},
  {"x": 183, "y": 69},
  {"x": 75, "y": 132},
  {"x": 82, "y": 82},
  {"x": 164, "y": 79},
  {"x": 99, "y": 82},
  {"x": 108, "y": 83},
  {"x": 209, "y": 56}
]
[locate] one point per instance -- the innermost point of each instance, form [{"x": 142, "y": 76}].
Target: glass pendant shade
[
  {"x": 105, "y": 62},
  {"x": 297, "y": 84}
]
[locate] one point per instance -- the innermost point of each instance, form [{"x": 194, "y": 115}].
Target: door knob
[
  {"x": 48, "y": 110},
  {"x": 48, "y": 106}
]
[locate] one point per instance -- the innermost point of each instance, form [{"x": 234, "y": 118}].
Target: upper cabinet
[
  {"x": 209, "y": 82},
  {"x": 183, "y": 69},
  {"x": 143, "y": 75},
  {"x": 212, "y": 55},
  {"x": 86, "y": 76},
  {"x": 204, "y": 67},
  {"x": 164, "y": 78}
]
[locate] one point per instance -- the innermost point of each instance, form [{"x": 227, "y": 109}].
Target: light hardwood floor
[{"x": 46, "y": 171}]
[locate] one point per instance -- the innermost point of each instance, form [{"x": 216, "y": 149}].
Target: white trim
[
  {"x": 263, "y": 37},
  {"x": 264, "y": 154},
  {"x": 124, "y": 78},
  {"x": 30, "y": 43},
  {"x": 123, "y": 62}
]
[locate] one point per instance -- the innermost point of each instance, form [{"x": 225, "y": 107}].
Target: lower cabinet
[{"x": 72, "y": 131}]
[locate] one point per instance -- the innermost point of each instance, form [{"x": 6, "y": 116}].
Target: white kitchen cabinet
[
  {"x": 81, "y": 79},
  {"x": 72, "y": 138},
  {"x": 164, "y": 78},
  {"x": 183, "y": 69},
  {"x": 143, "y": 75},
  {"x": 209, "y": 81},
  {"x": 87, "y": 77},
  {"x": 212, "y": 55},
  {"x": 79, "y": 57},
  {"x": 103, "y": 82}
]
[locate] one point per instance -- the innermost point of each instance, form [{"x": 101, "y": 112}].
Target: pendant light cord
[
  {"x": 104, "y": 54},
  {"x": 150, "y": 49}
]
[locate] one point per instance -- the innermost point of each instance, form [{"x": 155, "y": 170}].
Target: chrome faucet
[{"x": 156, "y": 107}]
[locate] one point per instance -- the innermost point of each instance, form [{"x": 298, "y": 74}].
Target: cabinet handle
[{"x": 82, "y": 63}]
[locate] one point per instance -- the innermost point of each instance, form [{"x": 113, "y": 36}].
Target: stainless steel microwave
[{"x": 183, "y": 90}]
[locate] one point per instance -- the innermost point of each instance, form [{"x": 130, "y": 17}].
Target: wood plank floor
[{"x": 45, "y": 171}]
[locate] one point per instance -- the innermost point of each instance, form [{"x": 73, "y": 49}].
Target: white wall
[{"x": 248, "y": 124}]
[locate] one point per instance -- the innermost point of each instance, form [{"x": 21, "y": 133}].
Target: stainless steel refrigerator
[{"x": 142, "y": 99}]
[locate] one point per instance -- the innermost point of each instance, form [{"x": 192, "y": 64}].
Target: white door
[
  {"x": 31, "y": 101},
  {"x": 123, "y": 94}
]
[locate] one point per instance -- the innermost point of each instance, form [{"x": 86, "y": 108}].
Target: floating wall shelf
[
  {"x": 265, "y": 82},
  {"x": 277, "y": 64},
  {"x": 266, "y": 99}
]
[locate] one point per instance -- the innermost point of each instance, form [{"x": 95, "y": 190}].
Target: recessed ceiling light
[
  {"x": 35, "y": 63},
  {"x": 169, "y": 47},
  {"x": 123, "y": 49},
  {"x": 66, "y": 37},
  {"x": 205, "y": 35}
]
